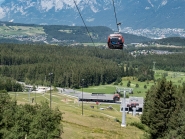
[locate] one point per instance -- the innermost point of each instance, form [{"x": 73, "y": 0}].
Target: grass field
[
  {"x": 96, "y": 123},
  {"x": 93, "y": 124},
  {"x": 176, "y": 77},
  {"x": 21, "y": 30}
]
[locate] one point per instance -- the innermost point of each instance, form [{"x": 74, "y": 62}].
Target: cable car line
[
  {"x": 96, "y": 53},
  {"x": 84, "y": 22},
  {"x": 116, "y": 40},
  {"x": 117, "y": 35},
  {"x": 115, "y": 15}
]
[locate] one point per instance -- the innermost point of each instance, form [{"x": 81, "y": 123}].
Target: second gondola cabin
[{"x": 115, "y": 41}]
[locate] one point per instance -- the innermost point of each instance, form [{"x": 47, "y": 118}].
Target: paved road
[
  {"x": 71, "y": 92},
  {"x": 77, "y": 94}
]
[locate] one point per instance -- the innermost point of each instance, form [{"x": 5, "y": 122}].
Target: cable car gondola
[{"x": 115, "y": 41}]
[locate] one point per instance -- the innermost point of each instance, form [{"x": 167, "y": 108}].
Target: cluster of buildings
[
  {"x": 28, "y": 38},
  {"x": 39, "y": 89},
  {"x": 155, "y": 33},
  {"x": 150, "y": 52}
]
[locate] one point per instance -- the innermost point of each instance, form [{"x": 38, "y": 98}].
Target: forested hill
[
  {"x": 69, "y": 65},
  {"x": 178, "y": 41},
  {"x": 59, "y": 34},
  {"x": 99, "y": 34}
]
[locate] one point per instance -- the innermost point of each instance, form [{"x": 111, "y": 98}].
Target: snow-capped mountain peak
[{"x": 136, "y": 14}]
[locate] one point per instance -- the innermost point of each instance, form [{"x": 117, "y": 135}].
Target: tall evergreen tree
[
  {"x": 149, "y": 102},
  {"x": 161, "y": 109},
  {"x": 176, "y": 125}
]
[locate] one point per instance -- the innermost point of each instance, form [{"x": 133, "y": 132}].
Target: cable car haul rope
[{"x": 115, "y": 40}]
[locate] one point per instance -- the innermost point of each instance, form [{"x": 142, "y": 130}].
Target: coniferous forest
[
  {"x": 34, "y": 63},
  {"x": 69, "y": 65},
  {"x": 164, "y": 111}
]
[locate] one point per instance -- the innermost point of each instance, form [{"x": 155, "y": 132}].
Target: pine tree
[
  {"x": 149, "y": 102},
  {"x": 158, "y": 110},
  {"x": 176, "y": 125}
]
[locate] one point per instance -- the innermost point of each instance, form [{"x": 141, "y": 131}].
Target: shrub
[
  {"x": 117, "y": 120},
  {"x": 145, "y": 87},
  {"x": 116, "y": 83},
  {"x": 138, "y": 92},
  {"x": 137, "y": 85},
  {"x": 138, "y": 125}
]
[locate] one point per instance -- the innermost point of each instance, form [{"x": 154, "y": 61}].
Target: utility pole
[
  {"x": 29, "y": 94},
  {"x": 35, "y": 94},
  {"x": 82, "y": 94},
  {"x": 123, "y": 124},
  {"x": 50, "y": 74},
  {"x": 15, "y": 94},
  {"x": 13, "y": 91},
  {"x": 154, "y": 66}
]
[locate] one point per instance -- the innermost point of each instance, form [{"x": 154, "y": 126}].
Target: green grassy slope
[
  {"x": 93, "y": 124},
  {"x": 176, "y": 77}
]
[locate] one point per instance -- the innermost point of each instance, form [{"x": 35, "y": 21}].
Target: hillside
[
  {"x": 58, "y": 34},
  {"x": 178, "y": 41},
  {"x": 33, "y": 63}
]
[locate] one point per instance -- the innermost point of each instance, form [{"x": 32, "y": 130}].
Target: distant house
[
  {"x": 39, "y": 89},
  {"x": 28, "y": 88},
  {"x": 43, "y": 89}
]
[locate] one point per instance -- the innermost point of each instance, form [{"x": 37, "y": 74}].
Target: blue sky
[{"x": 1, "y": 1}]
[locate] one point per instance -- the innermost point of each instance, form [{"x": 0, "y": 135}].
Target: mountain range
[
  {"x": 59, "y": 34},
  {"x": 131, "y": 13}
]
